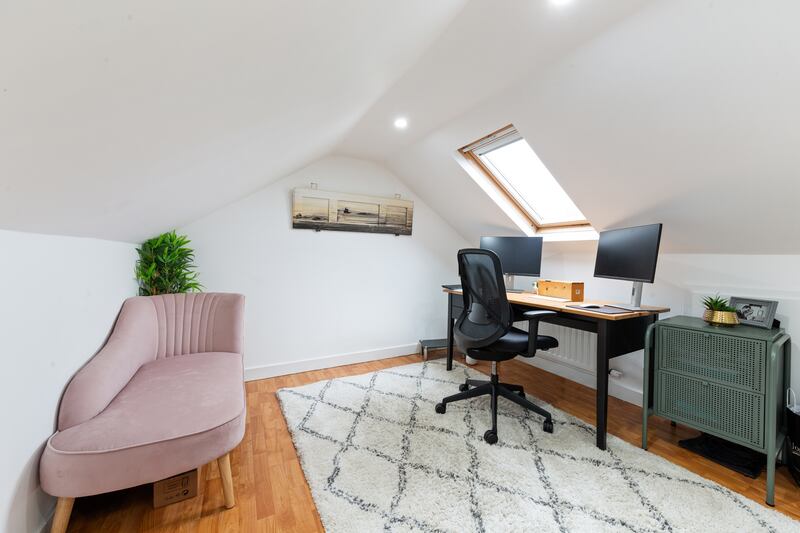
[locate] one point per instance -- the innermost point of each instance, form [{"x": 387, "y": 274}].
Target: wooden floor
[{"x": 272, "y": 494}]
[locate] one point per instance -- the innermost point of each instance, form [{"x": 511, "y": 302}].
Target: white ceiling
[
  {"x": 123, "y": 119},
  {"x": 489, "y": 46},
  {"x": 684, "y": 113},
  {"x": 691, "y": 120}
]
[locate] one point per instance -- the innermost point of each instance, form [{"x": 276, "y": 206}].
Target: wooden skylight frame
[{"x": 510, "y": 132}]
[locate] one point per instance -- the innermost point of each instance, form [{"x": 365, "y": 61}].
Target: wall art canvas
[{"x": 325, "y": 210}]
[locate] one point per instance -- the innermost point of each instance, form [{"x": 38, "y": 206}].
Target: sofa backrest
[
  {"x": 198, "y": 322},
  {"x": 150, "y": 328}
]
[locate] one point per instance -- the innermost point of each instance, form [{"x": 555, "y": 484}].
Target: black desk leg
[
  {"x": 449, "y": 331},
  {"x": 650, "y": 370},
  {"x": 602, "y": 383}
]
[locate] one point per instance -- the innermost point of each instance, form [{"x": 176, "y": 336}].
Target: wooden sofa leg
[
  {"x": 61, "y": 517},
  {"x": 224, "y": 464}
]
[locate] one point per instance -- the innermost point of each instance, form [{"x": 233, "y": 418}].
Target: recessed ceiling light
[
  {"x": 559, "y": 3},
  {"x": 401, "y": 123}
]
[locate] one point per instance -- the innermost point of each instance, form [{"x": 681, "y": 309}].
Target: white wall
[
  {"x": 321, "y": 299},
  {"x": 681, "y": 282},
  {"x": 60, "y": 296}
]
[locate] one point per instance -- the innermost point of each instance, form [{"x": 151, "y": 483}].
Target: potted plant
[
  {"x": 719, "y": 312},
  {"x": 166, "y": 266}
]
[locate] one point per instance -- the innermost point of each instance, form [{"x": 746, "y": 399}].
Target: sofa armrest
[
  {"x": 132, "y": 343},
  {"x": 228, "y": 327}
]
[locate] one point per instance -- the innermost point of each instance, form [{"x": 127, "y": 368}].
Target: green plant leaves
[
  {"x": 717, "y": 303},
  {"x": 166, "y": 266}
]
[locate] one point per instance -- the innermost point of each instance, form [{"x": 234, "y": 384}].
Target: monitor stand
[
  {"x": 636, "y": 299},
  {"x": 510, "y": 283}
]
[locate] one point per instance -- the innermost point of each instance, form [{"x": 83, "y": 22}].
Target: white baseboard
[
  {"x": 328, "y": 361},
  {"x": 615, "y": 388}
]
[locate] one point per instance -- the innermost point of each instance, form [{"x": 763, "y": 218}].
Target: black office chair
[{"x": 484, "y": 331}]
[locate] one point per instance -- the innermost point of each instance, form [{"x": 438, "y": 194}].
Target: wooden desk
[{"x": 617, "y": 334}]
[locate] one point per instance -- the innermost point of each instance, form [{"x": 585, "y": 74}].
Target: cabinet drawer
[
  {"x": 725, "y": 359},
  {"x": 733, "y": 414}
]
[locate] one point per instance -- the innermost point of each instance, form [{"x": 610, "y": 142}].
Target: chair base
[{"x": 495, "y": 389}]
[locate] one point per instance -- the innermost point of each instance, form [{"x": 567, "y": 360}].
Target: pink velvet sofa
[{"x": 163, "y": 396}]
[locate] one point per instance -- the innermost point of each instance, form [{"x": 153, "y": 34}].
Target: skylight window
[{"x": 515, "y": 168}]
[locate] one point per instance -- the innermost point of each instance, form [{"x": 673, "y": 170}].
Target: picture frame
[
  {"x": 754, "y": 311},
  {"x": 326, "y": 210}
]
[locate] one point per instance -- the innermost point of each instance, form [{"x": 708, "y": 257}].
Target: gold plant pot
[{"x": 721, "y": 318}]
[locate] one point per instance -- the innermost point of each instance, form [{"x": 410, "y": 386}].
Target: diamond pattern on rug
[
  {"x": 331, "y": 422},
  {"x": 359, "y": 470},
  {"x": 376, "y": 434},
  {"x": 454, "y": 510},
  {"x": 378, "y": 458}
]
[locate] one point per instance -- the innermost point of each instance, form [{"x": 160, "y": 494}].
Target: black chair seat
[{"x": 513, "y": 343}]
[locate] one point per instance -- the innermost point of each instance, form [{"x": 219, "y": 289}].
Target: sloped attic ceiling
[
  {"x": 126, "y": 119},
  {"x": 487, "y": 47},
  {"x": 684, "y": 113},
  {"x": 123, "y": 119}
]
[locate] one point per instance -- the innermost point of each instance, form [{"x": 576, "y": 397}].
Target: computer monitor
[
  {"x": 518, "y": 255},
  {"x": 629, "y": 254}
]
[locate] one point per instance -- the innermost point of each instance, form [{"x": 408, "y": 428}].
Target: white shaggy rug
[{"x": 378, "y": 458}]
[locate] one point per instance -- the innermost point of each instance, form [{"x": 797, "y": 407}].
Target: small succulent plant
[{"x": 717, "y": 303}]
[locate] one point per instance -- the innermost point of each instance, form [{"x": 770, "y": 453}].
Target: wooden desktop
[{"x": 617, "y": 334}]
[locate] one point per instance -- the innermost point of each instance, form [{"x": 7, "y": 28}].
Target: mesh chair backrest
[{"x": 487, "y": 314}]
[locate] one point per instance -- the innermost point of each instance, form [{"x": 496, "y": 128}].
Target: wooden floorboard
[{"x": 273, "y": 496}]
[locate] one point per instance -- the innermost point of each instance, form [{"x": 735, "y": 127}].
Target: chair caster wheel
[
  {"x": 441, "y": 408},
  {"x": 521, "y": 394},
  {"x": 490, "y": 437},
  {"x": 548, "y": 426},
  {"x": 463, "y": 387}
]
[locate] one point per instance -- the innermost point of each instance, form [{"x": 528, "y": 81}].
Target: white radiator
[{"x": 576, "y": 348}]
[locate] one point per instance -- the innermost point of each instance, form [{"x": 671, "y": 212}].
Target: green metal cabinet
[{"x": 727, "y": 382}]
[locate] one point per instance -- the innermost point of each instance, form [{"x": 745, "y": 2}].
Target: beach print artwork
[{"x": 324, "y": 210}]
